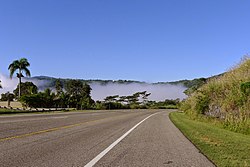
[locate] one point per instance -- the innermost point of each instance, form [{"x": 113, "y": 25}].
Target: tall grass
[
  {"x": 223, "y": 147},
  {"x": 226, "y": 97}
]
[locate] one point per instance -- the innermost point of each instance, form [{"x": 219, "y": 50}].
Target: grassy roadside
[{"x": 223, "y": 147}]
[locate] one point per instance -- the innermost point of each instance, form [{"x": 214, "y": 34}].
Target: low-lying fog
[{"x": 159, "y": 92}]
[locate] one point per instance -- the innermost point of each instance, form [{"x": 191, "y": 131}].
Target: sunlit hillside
[{"x": 226, "y": 97}]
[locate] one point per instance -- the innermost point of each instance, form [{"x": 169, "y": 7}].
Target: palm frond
[
  {"x": 13, "y": 67},
  {"x": 24, "y": 63},
  {"x": 20, "y": 64},
  {"x": 27, "y": 71}
]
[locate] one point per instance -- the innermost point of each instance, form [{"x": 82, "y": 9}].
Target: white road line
[{"x": 104, "y": 152}]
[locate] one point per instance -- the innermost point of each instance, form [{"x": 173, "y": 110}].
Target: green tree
[
  {"x": 74, "y": 87},
  {"x": 86, "y": 100},
  {"x": 86, "y": 103},
  {"x": 134, "y": 99},
  {"x": 78, "y": 93},
  {"x": 63, "y": 100},
  {"x": 86, "y": 90},
  {"x": 48, "y": 98},
  {"x": 109, "y": 99},
  {"x": 59, "y": 87},
  {"x": 44, "y": 99},
  {"x": 7, "y": 96},
  {"x": 27, "y": 88},
  {"x": 20, "y": 65},
  {"x": 123, "y": 99},
  {"x": 144, "y": 95}
]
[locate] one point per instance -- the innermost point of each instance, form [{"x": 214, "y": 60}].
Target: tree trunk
[
  {"x": 8, "y": 94},
  {"x": 20, "y": 76}
]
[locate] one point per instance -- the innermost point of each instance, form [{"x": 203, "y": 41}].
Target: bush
[
  {"x": 114, "y": 105},
  {"x": 245, "y": 88},
  {"x": 202, "y": 103},
  {"x": 34, "y": 101},
  {"x": 39, "y": 100},
  {"x": 100, "y": 106},
  {"x": 185, "y": 105}
]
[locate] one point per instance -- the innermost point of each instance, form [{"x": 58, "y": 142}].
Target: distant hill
[
  {"x": 87, "y": 81},
  {"x": 50, "y": 81},
  {"x": 103, "y": 88},
  {"x": 191, "y": 85}
]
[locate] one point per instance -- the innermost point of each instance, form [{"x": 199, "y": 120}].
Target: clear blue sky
[{"x": 146, "y": 40}]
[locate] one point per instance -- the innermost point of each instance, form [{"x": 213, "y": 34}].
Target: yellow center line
[
  {"x": 57, "y": 128},
  {"x": 47, "y": 130}
]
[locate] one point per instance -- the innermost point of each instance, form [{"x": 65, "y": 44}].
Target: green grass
[{"x": 223, "y": 147}]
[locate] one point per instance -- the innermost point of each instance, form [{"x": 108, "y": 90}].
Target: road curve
[{"x": 74, "y": 139}]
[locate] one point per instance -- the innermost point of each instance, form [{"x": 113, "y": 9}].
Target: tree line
[
  {"x": 73, "y": 94},
  {"x": 77, "y": 94}
]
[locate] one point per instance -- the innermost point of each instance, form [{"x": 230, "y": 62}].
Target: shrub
[{"x": 245, "y": 88}]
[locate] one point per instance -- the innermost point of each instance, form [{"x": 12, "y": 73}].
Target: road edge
[{"x": 189, "y": 139}]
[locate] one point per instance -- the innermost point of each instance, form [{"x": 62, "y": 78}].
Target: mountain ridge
[{"x": 185, "y": 82}]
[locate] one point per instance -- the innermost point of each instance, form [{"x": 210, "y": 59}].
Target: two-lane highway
[{"x": 77, "y": 139}]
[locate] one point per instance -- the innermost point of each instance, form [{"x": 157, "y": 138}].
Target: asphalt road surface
[{"x": 103, "y": 138}]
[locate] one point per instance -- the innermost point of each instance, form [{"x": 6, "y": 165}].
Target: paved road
[{"x": 76, "y": 139}]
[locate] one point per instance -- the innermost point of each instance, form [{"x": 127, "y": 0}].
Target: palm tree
[{"x": 20, "y": 65}]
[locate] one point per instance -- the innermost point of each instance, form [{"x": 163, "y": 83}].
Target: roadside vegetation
[
  {"x": 138, "y": 100},
  {"x": 216, "y": 116},
  {"x": 226, "y": 98},
  {"x": 225, "y": 148}
]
